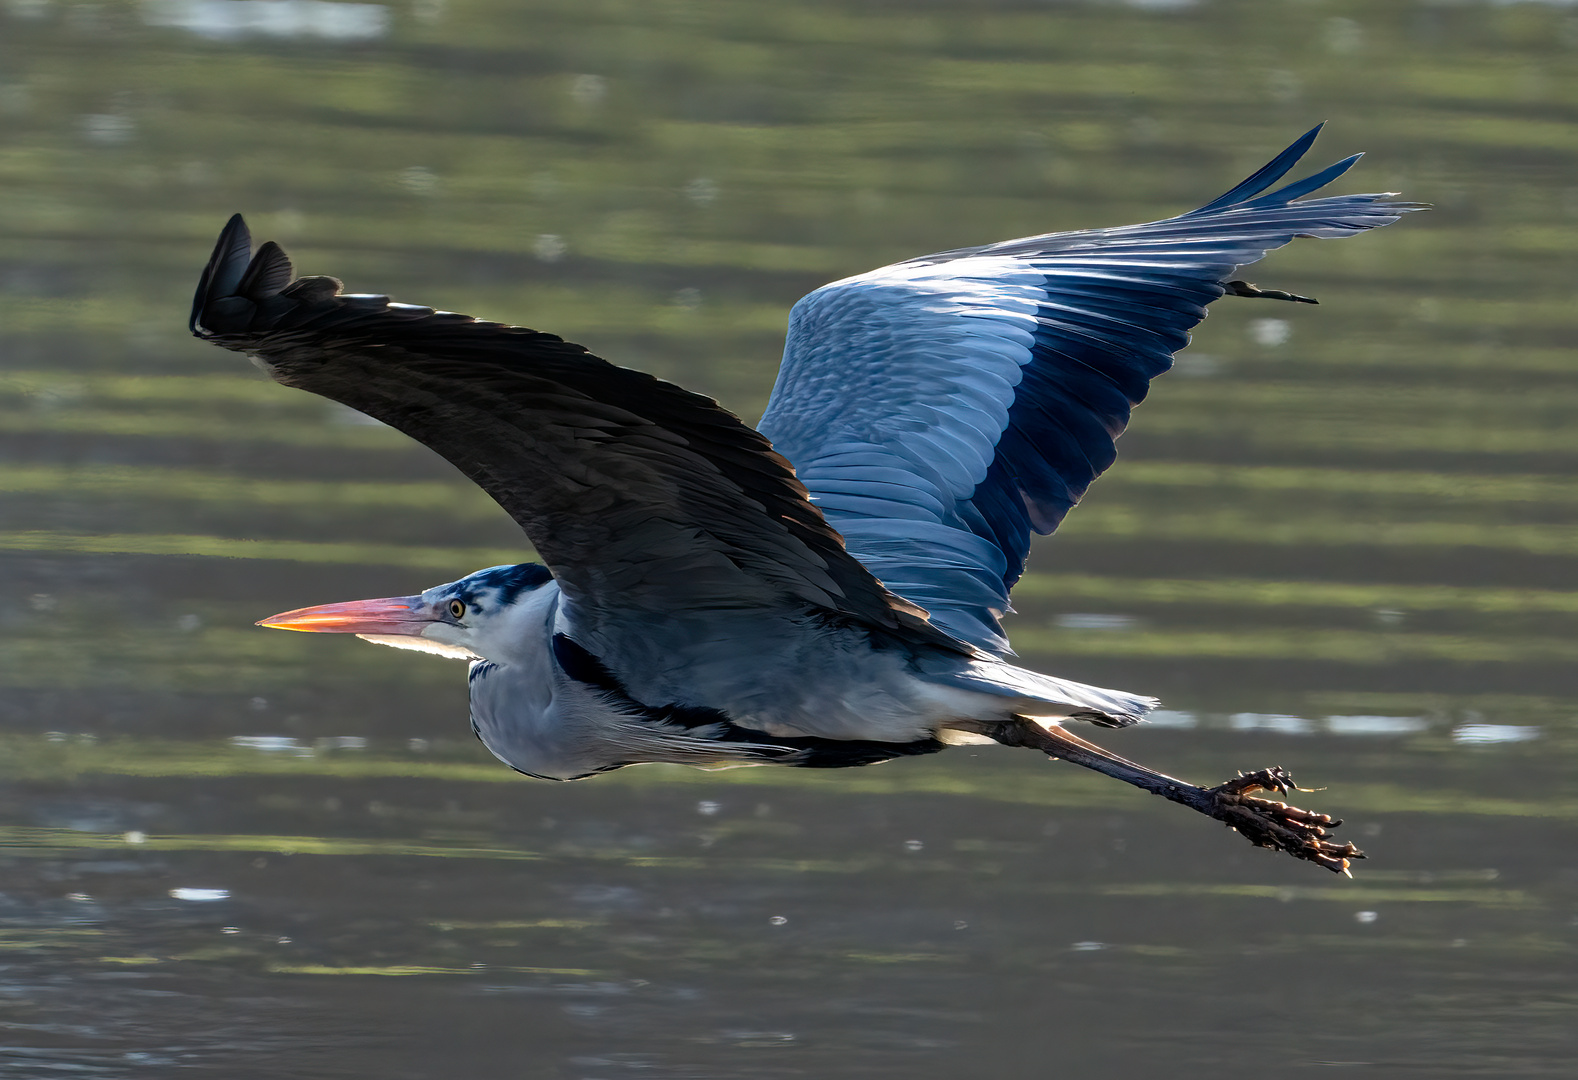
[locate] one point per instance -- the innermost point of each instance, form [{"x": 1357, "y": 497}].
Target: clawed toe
[
  {"x": 1264, "y": 823},
  {"x": 1275, "y": 779}
]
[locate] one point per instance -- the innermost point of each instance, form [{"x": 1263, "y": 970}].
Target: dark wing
[
  {"x": 941, "y": 410},
  {"x": 645, "y": 500}
]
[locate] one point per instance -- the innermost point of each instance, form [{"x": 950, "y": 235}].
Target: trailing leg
[{"x": 1263, "y": 822}]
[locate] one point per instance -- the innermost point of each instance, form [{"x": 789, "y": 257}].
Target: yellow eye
[{"x": 456, "y": 608}]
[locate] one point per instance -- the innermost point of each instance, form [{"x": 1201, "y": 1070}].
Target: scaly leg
[{"x": 1264, "y": 823}]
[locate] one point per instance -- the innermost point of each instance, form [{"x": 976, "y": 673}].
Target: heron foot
[{"x": 1265, "y": 823}]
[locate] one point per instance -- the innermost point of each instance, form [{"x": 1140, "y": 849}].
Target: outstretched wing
[
  {"x": 939, "y": 410},
  {"x": 645, "y": 500}
]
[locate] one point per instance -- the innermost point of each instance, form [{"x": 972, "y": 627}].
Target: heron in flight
[{"x": 825, "y": 590}]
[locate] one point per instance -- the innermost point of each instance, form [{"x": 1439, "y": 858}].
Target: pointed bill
[{"x": 394, "y": 615}]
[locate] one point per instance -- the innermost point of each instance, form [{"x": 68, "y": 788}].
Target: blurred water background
[{"x": 1343, "y": 539}]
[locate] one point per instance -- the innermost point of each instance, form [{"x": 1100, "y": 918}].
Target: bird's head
[{"x": 475, "y": 618}]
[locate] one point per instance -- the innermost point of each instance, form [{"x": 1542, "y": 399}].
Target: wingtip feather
[
  {"x": 1311, "y": 183},
  {"x": 1263, "y": 177},
  {"x": 232, "y": 253},
  {"x": 226, "y": 268},
  {"x": 237, "y": 284},
  {"x": 269, "y": 272}
]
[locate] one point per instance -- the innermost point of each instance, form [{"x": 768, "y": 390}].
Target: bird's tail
[{"x": 1030, "y": 693}]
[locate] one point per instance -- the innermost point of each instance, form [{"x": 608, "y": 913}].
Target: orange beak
[{"x": 394, "y": 615}]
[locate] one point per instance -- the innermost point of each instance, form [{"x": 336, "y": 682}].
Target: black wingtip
[
  {"x": 236, "y": 284},
  {"x": 226, "y": 267}
]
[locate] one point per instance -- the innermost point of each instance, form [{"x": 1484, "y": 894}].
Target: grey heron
[{"x": 822, "y": 591}]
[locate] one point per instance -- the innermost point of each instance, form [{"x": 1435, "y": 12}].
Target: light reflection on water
[{"x": 1345, "y": 543}]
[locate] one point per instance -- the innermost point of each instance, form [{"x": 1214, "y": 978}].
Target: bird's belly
[{"x": 890, "y": 707}]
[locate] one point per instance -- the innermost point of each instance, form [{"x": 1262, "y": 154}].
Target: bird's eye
[{"x": 456, "y": 608}]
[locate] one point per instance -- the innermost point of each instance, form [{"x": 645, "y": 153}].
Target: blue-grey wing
[{"x": 942, "y": 409}]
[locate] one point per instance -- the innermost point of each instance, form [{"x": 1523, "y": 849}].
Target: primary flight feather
[{"x": 825, "y": 591}]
